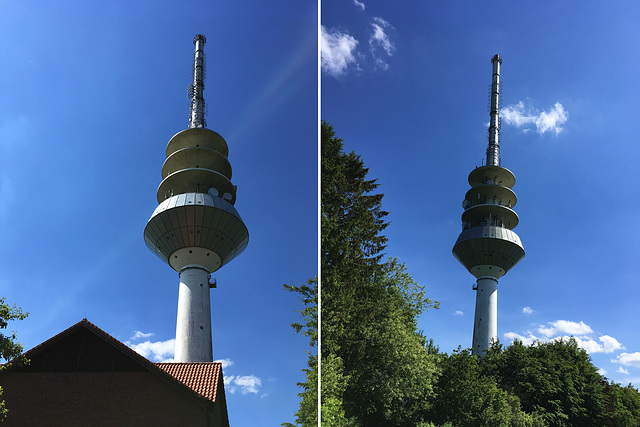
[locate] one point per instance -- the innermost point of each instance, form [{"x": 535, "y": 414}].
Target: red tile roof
[{"x": 202, "y": 378}]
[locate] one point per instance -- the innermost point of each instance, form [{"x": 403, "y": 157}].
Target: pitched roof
[
  {"x": 203, "y": 378},
  {"x": 52, "y": 355}
]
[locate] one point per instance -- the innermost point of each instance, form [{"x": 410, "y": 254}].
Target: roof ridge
[{"x": 151, "y": 366}]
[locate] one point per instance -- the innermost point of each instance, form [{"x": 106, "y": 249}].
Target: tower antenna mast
[
  {"x": 493, "y": 150},
  {"x": 196, "y": 90}
]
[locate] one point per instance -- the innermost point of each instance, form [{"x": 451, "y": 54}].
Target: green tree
[
  {"x": 465, "y": 397},
  {"x": 10, "y": 349},
  {"x": 623, "y": 405},
  {"x": 556, "y": 380},
  {"x": 307, "y": 415},
  {"x": 369, "y": 307}
]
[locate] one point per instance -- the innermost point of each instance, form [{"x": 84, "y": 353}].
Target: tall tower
[
  {"x": 487, "y": 246},
  {"x": 195, "y": 228}
]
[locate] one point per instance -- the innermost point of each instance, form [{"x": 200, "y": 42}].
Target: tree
[
  {"x": 465, "y": 397},
  {"x": 384, "y": 373},
  {"x": 556, "y": 380},
  {"x": 10, "y": 349},
  {"x": 623, "y": 405},
  {"x": 307, "y": 415}
]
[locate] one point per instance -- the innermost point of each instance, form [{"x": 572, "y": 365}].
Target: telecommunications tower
[
  {"x": 487, "y": 246},
  {"x": 195, "y": 228}
]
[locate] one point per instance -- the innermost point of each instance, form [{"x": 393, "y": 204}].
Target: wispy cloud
[
  {"x": 527, "y": 310},
  {"x": 225, "y": 362},
  {"x": 563, "y": 330},
  {"x": 628, "y": 359},
  {"x": 458, "y": 313},
  {"x": 545, "y": 121},
  {"x": 621, "y": 370},
  {"x": 156, "y": 351},
  {"x": 565, "y": 327},
  {"x": 607, "y": 344},
  {"x": 139, "y": 334},
  {"x": 242, "y": 383},
  {"x": 337, "y": 51},
  {"x": 379, "y": 41},
  {"x": 359, "y": 4}
]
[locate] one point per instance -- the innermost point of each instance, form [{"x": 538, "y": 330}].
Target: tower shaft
[
  {"x": 193, "y": 327},
  {"x": 485, "y": 323}
]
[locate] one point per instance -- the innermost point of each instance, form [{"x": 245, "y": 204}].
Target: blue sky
[
  {"x": 90, "y": 94},
  {"x": 407, "y": 87}
]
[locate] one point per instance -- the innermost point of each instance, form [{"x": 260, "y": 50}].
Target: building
[{"x": 85, "y": 377}]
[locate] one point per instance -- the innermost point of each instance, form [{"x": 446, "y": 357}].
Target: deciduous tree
[{"x": 10, "y": 349}]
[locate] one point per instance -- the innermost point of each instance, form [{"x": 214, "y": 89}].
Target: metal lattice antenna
[
  {"x": 196, "y": 89},
  {"x": 493, "y": 151}
]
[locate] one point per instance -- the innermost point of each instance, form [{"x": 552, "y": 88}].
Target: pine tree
[{"x": 369, "y": 307}]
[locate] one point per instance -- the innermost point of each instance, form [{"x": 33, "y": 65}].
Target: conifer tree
[{"x": 369, "y": 307}]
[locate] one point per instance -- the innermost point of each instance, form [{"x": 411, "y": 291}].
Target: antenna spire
[
  {"x": 493, "y": 151},
  {"x": 197, "y": 108}
]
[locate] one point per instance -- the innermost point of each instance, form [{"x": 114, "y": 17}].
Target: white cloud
[
  {"x": 458, "y": 313},
  {"x": 621, "y": 370},
  {"x": 565, "y": 327},
  {"x": 139, "y": 334},
  {"x": 380, "y": 39},
  {"x": 628, "y": 359},
  {"x": 243, "y": 383},
  {"x": 545, "y": 121},
  {"x": 610, "y": 344},
  {"x": 564, "y": 330},
  {"x": 602, "y": 372},
  {"x": 225, "y": 362},
  {"x": 359, "y": 4},
  {"x": 337, "y": 51},
  {"x": 527, "y": 310},
  {"x": 158, "y": 351}
]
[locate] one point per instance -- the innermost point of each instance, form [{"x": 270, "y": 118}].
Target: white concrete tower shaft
[
  {"x": 485, "y": 322},
  {"x": 487, "y": 246},
  {"x": 193, "y": 327}
]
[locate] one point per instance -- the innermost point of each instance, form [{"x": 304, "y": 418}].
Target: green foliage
[
  {"x": 623, "y": 405},
  {"x": 333, "y": 387},
  {"x": 307, "y": 414},
  {"x": 465, "y": 397},
  {"x": 555, "y": 379},
  {"x": 309, "y": 295},
  {"x": 10, "y": 349}
]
